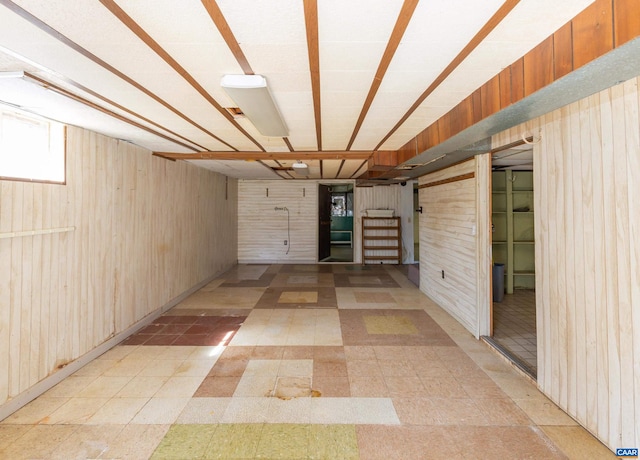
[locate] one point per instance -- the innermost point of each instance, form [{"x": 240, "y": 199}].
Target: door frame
[{"x": 332, "y": 183}]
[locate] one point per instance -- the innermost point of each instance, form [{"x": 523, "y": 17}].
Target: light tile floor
[{"x": 371, "y": 373}]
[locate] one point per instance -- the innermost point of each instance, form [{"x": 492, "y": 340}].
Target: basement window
[{"x": 31, "y": 148}]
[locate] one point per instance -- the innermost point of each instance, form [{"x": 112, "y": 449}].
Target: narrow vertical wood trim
[
  {"x": 119, "y": 13},
  {"x": 406, "y": 12},
  {"x": 311, "y": 23},
  {"x": 491, "y": 24},
  {"x": 483, "y": 243},
  {"x": 227, "y": 34}
]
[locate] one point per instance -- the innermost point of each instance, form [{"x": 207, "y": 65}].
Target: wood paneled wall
[
  {"x": 587, "y": 235},
  {"x": 452, "y": 238},
  {"x": 262, "y": 230},
  {"x": 127, "y": 234}
]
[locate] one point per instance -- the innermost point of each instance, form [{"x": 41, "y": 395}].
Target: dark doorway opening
[{"x": 335, "y": 223}]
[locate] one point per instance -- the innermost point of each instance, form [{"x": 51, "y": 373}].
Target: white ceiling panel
[{"x": 238, "y": 169}]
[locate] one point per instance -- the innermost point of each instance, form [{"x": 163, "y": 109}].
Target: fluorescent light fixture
[
  {"x": 300, "y": 168},
  {"x": 250, "y": 93},
  {"x": 12, "y": 74}
]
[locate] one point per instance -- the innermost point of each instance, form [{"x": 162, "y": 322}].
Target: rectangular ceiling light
[{"x": 251, "y": 94}]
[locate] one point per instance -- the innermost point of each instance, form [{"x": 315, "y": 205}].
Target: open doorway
[
  {"x": 335, "y": 223},
  {"x": 513, "y": 249}
]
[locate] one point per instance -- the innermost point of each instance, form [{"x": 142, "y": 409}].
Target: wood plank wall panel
[
  {"x": 587, "y": 173},
  {"x": 626, "y": 21},
  {"x": 262, "y": 230},
  {"x": 538, "y": 66},
  {"x": 563, "y": 51},
  {"x": 447, "y": 243},
  {"x": 146, "y": 230},
  {"x": 592, "y": 32}
]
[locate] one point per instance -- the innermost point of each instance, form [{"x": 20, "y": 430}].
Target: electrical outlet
[{"x": 285, "y": 242}]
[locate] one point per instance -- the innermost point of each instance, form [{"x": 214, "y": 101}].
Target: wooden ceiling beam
[
  {"x": 313, "y": 49},
  {"x": 256, "y": 156},
  {"x": 406, "y": 13},
  {"x": 491, "y": 24}
]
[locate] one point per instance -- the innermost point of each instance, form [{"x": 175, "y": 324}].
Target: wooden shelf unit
[
  {"x": 381, "y": 240},
  {"x": 513, "y": 236}
]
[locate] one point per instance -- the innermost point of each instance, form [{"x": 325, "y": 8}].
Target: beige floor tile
[
  {"x": 179, "y": 387},
  {"x": 160, "y": 411},
  {"x": 544, "y": 412},
  {"x": 119, "y": 352},
  {"x": 70, "y": 386},
  {"x": 327, "y": 411},
  {"x": 294, "y": 410},
  {"x": 161, "y": 368},
  {"x": 127, "y": 367},
  {"x": 76, "y": 411},
  {"x": 142, "y": 387},
  {"x": 86, "y": 442},
  {"x": 117, "y": 411},
  {"x": 298, "y": 297},
  {"x": 11, "y": 433},
  {"x": 104, "y": 387},
  {"x": 246, "y": 410},
  {"x": 576, "y": 443},
  {"x": 37, "y": 411},
  {"x": 39, "y": 442},
  {"x": 203, "y": 410},
  {"x": 96, "y": 367}
]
